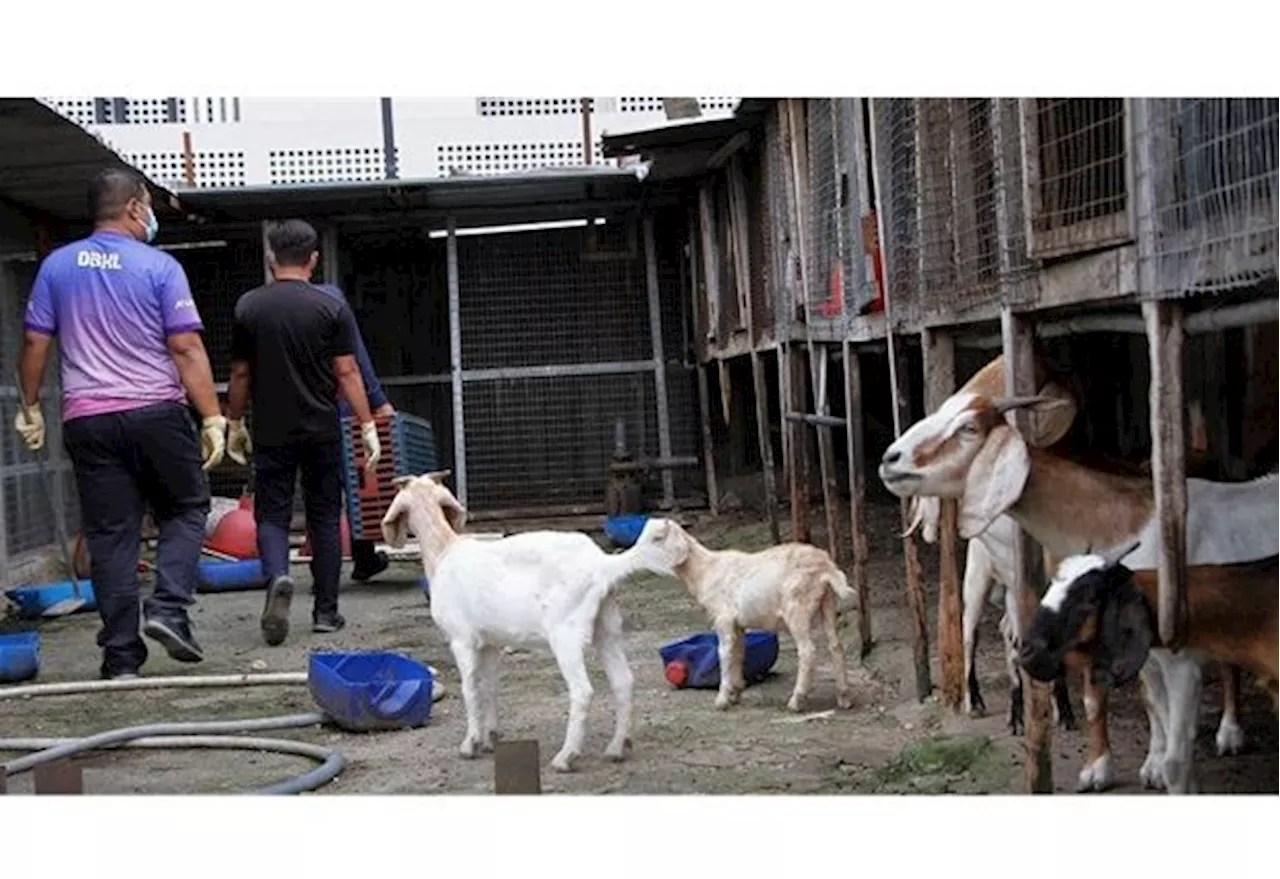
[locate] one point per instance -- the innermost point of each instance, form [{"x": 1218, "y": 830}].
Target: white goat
[
  {"x": 547, "y": 587},
  {"x": 785, "y": 585},
  {"x": 967, "y": 450}
]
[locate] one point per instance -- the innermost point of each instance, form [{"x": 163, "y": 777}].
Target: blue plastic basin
[
  {"x": 701, "y": 658},
  {"x": 226, "y": 576},
  {"x": 625, "y": 530},
  {"x": 371, "y": 691},
  {"x": 34, "y": 600},
  {"x": 19, "y": 657}
]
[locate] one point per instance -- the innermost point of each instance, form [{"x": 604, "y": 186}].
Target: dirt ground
[{"x": 889, "y": 742}]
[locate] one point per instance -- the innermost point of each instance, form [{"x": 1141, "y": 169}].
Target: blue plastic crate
[
  {"x": 19, "y": 657},
  {"x": 694, "y": 662},
  {"x": 408, "y": 449},
  {"x": 371, "y": 691}
]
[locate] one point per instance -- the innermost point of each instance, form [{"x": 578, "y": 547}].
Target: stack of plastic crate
[{"x": 408, "y": 449}]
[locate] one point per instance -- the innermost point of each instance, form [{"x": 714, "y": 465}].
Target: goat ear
[
  {"x": 995, "y": 480},
  {"x": 438, "y": 476},
  {"x": 454, "y": 512},
  {"x": 399, "y": 482},
  {"x": 395, "y": 524},
  {"x": 1050, "y": 423},
  {"x": 1125, "y": 630}
]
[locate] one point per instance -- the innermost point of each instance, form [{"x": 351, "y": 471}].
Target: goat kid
[
  {"x": 1099, "y": 616},
  {"x": 967, "y": 450},
  {"x": 549, "y": 587},
  {"x": 785, "y": 585}
]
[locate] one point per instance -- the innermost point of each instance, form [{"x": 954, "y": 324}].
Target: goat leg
[
  {"x": 568, "y": 651},
  {"x": 1230, "y": 737},
  {"x": 1066, "y": 718}
]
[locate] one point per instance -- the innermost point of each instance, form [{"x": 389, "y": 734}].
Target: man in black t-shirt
[{"x": 292, "y": 350}]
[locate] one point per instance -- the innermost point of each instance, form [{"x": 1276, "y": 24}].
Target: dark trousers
[
  {"x": 125, "y": 462},
  {"x": 275, "y": 471}
]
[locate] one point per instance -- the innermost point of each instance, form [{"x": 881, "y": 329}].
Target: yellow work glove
[
  {"x": 372, "y": 447},
  {"x": 30, "y": 425},
  {"x": 213, "y": 441},
  {"x": 239, "y": 446}
]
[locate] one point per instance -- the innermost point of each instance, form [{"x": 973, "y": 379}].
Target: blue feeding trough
[
  {"x": 625, "y": 530},
  {"x": 224, "y": 576},
  {"x": 19, "y": 657},
  {"x": 371, "y": 691},
  {"x": 695, "y": 661},
  {"x": 33, "y": 600}
]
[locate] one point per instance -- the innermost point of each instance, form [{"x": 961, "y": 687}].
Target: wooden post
[
  {"x": 708, "y": 441},
  {"x": 901, "y": 388},
  {"x": 700, "y": 367},
  {"x": 659, "y": 359},
  {"x": 4, "y": 783},
  {"x": 940, "y": 383},
  {"x": 588, "y": 148},
  {"x": 801, "y": 523},
  {"x": 59, "y": 777},
  {"x": 855, "y": 446},
  {"x": 516, "y": 769},
  {"x": 831, "y": 504},
  {"x": 1165, "y": 336},
  {"x": 1020, "y": 380},
  {"x": 742, "y": 252}
]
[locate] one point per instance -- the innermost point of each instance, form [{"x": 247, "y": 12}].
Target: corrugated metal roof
[
  {"x": 525, "y": 196},
  {"x": 47, "y": 161},
  {"x": 683, "y": 149}
]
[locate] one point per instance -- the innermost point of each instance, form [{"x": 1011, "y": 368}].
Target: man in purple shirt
[{"x": 131, "y": 354}]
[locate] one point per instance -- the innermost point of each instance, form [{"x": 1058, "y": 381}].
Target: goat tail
[{"x": 838, "y": 583}]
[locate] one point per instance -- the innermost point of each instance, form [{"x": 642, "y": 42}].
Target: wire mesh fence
[
  {"x": 895, "y": 121},
  {"x": 1077, "y": 174},
  {"x": 556, "y": 349},
  {"x": 825, "y": 287},
  {"x": 783, "y": 253},
  {"x": 1213, "y": 180}
]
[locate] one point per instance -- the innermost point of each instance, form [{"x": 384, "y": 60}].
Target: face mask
[{"x": 152, "y": 225}]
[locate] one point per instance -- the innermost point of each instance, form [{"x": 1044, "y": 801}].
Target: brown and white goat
[
  {"x": 785, "y": 585},
  {"x": 989, "y": 556},
  {"x": 1098, "y": 616},
  {"x": 968, "y": 450}
]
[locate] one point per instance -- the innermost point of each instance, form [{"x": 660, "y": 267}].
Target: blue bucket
[
  {"x": 371, "y": 691},
  {"x": 695, "y": 661},
  {"x": 625, "y": 530},
  {"x": 19, "y": 657}
]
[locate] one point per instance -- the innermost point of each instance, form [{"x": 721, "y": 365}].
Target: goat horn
[
  {"x": 1005, "y": 404},
  {"x": 1114, "y": 556}
]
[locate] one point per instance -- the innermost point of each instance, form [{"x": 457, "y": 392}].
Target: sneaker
[
  {"x": 175, "y": 636},
  {"x": 327, "y": 623},
  {"x": 275, "y": 614},
  {"x": 380, "y": 563},
  {"x": 107, "y": 673}
]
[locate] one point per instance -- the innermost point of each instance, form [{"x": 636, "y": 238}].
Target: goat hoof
[
  {"x": 1152, "y": 773},
  {"x": 616, "y": 754},
  {"x": 844, "y": 701},
  {"x": 975, "y": 710},
  {"x": 723, "y": 703},
  {"x": 796, "y": 704},
  {"x": 1230, "y": 739},
  {"x": 563, "y": 762},
  {"x": 468, "y": 749},
  {"x": 1097, "y": 776}
]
